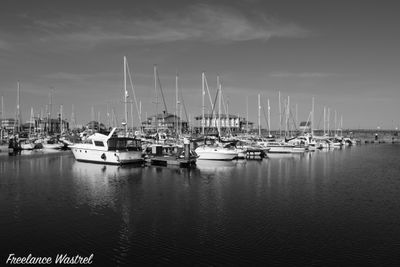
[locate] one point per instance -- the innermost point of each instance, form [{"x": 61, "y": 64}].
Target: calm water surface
[{"x": 337, "y": 207}]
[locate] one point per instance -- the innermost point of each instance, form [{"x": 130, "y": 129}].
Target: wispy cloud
[
  {"x": 195, "y": 23},
  {"x": 302, "y": 74}
]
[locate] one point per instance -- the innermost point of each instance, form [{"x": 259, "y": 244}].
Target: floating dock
[{"x": 171, "y": 160}]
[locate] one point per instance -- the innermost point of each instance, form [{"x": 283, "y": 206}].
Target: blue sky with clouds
[{"x": 344, "y": 53}]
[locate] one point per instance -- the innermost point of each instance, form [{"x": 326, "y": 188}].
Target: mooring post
[{"x": 186, "y": 144}]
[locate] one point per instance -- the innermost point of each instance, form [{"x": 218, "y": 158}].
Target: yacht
[
  {"x": 216, "y": 153},
  {"x": 280, "y": 147},
  {"x": 108, "y": 149}
]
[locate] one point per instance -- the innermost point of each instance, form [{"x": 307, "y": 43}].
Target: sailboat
[{"x": 216, "y": 151}]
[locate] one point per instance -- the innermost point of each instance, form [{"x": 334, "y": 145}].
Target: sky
[{"x": 345, "y": 54}]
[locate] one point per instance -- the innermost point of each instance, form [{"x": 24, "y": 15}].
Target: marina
[
  {"x": 327, "y": 206},
  {"x": 199, "y": 133}
]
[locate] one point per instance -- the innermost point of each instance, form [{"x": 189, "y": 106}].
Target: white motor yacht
[{"x": 108, "y": 149}]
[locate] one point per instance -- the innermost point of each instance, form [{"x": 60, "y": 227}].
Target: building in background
[
  {"x": 227, "y": 123},
  {"x": 166, "y": 122}
]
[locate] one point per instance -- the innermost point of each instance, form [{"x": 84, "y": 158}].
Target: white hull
[
  {"x": 28, "y": 146},
  {"x": 52, "y": 146},
  {"x": 106, "y": 157},
  {"x": 280, "y": 149},
  {"x": 299, "y": 150},
  {"x": 207, "y": 153}
]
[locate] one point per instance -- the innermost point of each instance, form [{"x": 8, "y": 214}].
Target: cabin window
[
  {"x": 98, "y": 143},
  {"x": 123, "y": 143}
]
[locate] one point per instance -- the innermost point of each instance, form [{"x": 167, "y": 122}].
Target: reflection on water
[{"x": 315, "y": 208}]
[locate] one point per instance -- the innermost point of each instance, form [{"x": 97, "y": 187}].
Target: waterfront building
[
  {"x": 227, "y": 123},
  {"x": 166, "y": 122},
  {"x": 305, "y": 126},
  {"x": 38, "y": 125},
  {"x": 8, "y": 125},
  {"x": 96, "y": 126}
]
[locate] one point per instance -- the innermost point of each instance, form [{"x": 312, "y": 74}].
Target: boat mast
[
  {"x": 176, "y": 104},
  {"x": 73, "y": 122},
  {"x": 125, "y": 99},
  {"x": 259, "y": 115},
  {"x": 140, "y": 115},
  {"x": 2, "y": 119},
  {"x": 269, "y": 119},
  {"x": 312, "y": 117},
  {"x": 280, "y": 114},
  {"x": 336, "y": 128},
  {"x": 61, "y": 119},
  {"x": 324, "y": 119},
  {"x": 219, "y": 106},
  {"x": 329, "y": 118},
  {"x": 30, "y": 121},
  {"x": 247, "y": 114},
  {"x": 203, "y": 122},
  {"x": 341, "y": 125},
  {"x": 155, "y": 89}
]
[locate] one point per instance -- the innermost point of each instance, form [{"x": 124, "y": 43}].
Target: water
[{"x": 339, "y": 207}]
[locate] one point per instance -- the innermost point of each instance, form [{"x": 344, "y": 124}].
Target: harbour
[
  {"x": 199, "y": 133},
  {"x": 325, "y": 207}
]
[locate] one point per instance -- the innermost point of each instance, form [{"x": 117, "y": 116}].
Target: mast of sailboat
[
  {"x": 219, "y": 106},
  {"x": 324, "y": 119},
  {"x": 312, "y": 117},
  {"x": 31, "y": 121},
  {"x": 2, "y": 119},
  {"x": 176, "y": 104},
  {"x": 61, "y": 119},
  {"x": 18, "y": 114},
  {"x": 247, "y": 114},
  {"x": 297, "y": 116},
  {"x": 203, "y": 93},
  {"x": 341, "y": 125},
  {"x": 280, "y": 114},
  {"x": 125, "y": 99},
  {"x": 259, "y": 115},
  {"x": 73, "y": 117},
  {"x": 336, "y": 128},
  {"x": 329, "y": 118},
  {"x": 269, "y": 118},
  {"x": 140, "y": 115}
]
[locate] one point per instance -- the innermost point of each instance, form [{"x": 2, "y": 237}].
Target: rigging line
[
  {"x": 212, "y": 111},
  {"x": 133, "y": 92},
  {"x": 162, "y": 93},
  {"x": 293, "y": 119},
  {"x": 184, "y": 106},
  {"x": 265, "y": 116},
  {"x": 208, "y": 90},
  {"x": 226, "y": 112}
]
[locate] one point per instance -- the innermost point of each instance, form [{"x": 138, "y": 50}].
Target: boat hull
[
  {"x": 53, "y": 146},
  {"x": 28, "y": 146},
  {"x": 106, "y": 157},
  {"x": 210, "y": 154},
  {"x": 280, "y": 149}
]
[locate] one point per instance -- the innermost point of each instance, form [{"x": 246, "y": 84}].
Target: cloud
[
  {"x": 302, "y": 75},
  {"x": 195, "y": 23}
]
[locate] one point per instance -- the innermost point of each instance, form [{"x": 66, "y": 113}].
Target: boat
[
  {"x": 27, "y": 145},
  {"x": 216, "y": 153},
  {"x": 52, "y": 143},
  {"x": 280, "y": 147},
  {"x": 108, "y": 149}
]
